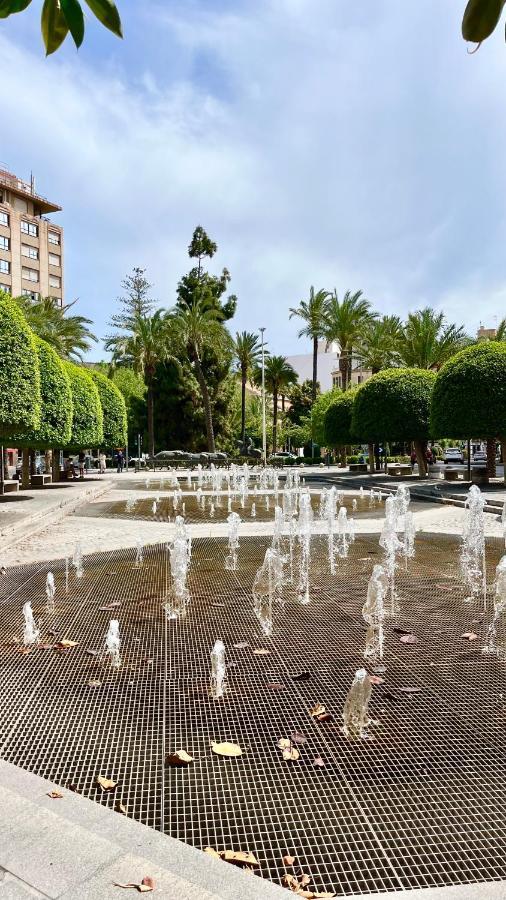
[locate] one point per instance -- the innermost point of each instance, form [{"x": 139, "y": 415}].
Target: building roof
[{"x": 26, "y": 189}]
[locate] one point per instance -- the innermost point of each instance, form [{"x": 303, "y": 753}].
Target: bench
[
  {"x": 452, "y": 474},
  {"x": 41, "y": 480},
  {"x": 10, "y": 486},
  {"x": 358, "y": 467},
  {"x": 400, "y": 470}
]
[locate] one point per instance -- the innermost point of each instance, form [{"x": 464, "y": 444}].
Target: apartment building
[{"x": 31, "y": 245}]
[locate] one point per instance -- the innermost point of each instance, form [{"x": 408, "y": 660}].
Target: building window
[
  {"x": 54, "y": 281},
  {"x": 360, "y": 379},
  {"x": 29, "y": 228},
  {"x": 54, "y": 260},
  {"x": 4, "y": 219},
  {"x": 4, "y": 243},
  {"x": 31, "y": 252},
  {"x": 5, "y": 266},
  {"x": 33, "y": 295},
  {"x": 6, "y": 288},
  {"x": 336, "y": 381},
  {"x": 53, "y": 238},
  {"x": 29, "y": 274}
]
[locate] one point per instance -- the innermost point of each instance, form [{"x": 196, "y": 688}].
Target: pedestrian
[
  {"x": 120, "y": 460},
  {"x": 82, "y": 460},
  {"x": 102, "y": 462}
]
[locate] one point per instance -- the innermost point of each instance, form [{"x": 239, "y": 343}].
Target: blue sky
[{"x": 353, "y": 145}]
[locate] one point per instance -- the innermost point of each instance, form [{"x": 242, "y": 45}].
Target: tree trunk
[
  {"x": 343, "y": 368},
  {"x": 48, "y": 460},
  {"x": 370, "y": 448},
  {"x": 32, "y": 462},
  {"x": 491, "y": 458},
  {"x": 342, "y": 451},
  {"x": 151, "y": 420},
  {"x": 56, "y": 466},
  {"x": 420, "y": 458},
  {"x": 207, "y": 405},
  {"x": 315, "y": 368},
  {"x": 25, "y": 470},
  {"x": 243, "y": 408},
  {"x": 274, "y": 421},
  {"x": 503, "y": 454},
  {"x": 5, "y": 463}
]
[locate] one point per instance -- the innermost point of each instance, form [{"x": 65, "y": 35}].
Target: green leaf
[
  {"x": 106, "y": 12},
  {"x": 480, "y": 19},
  {"x": 7, "y": 7},
  {"x": 53, "y": 25},
  {"x": 74, "y": 18}
]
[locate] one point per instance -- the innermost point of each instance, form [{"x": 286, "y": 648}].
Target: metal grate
[{"x": 421, "y": 804}]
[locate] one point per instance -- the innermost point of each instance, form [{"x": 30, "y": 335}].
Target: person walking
[
  {"x": 102, "y": 462},
  {"x": 82, "y": 460},
  {"x": 120, "y": 460}
]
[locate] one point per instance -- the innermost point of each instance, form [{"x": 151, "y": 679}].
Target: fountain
[
  {"x": 355, "y": 714},
  {"x": 267, "y": 588},
  {"x": 373, "y": 614},
  {"x": 211, "y": 510},
  {"x": 139, "y": 555},
  {"x": 304, "y": 534},
  {"x": 50, "y": 592},
  {"x": 267, "y": 502},
  {"x": 31, "y": 633},
  {"x": 328, "y": 513},
  {"x": 112, "y": 644},
  {"x": 354, "y": 504},
  {"x": 233, "y": 521},
  {"x": 77, "y": 560},
  {"x": 218, "y": 671},
  {"x": 345, "y": 532},
  {"x": 180, "y": 556},
  {"x": 499, "y": 609},
  {"x": 391, "y": 544},
  {"x": 472, "y": 554},
  {"x": 229, "y": 505},
  {"x": 409, "y": 537},
  {"x": 154, "y": 507},
  {"x": 253, "y": 510},
  {"x": 277, "y": 534}
]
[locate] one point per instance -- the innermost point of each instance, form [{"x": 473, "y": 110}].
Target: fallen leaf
[
  {"x": 376, "y": 679},
  {"x": 318, "y": 761},
  {"x": 94, "y": 683},
  {"x": 290, "y": 752},
  {"x": 289, "y": 860},
  {"x": 241, "y": 645},
  {"x": 211, "y": 852},
  {"x": 105, "y": 783},
  {"x": 302, "y": 676},
  {"x": 283, "y": 743},
  {"x": 317, "y": 710},
  {"x": 111, "y": 573},
  {"x": 304, "y": 880},
  {"x": 298, "y": 738},
  {"x": 44, "y": 646},
  {"x": 120, "y": 807},
  {"x": 109, "y": 606},
  {"x": 66, "y": 644},
  {"x": 91, "y": 652},
  {"x": 291, "y": 882},
  {"x": 261, "y": 651},
  {"x": 408, "y": 639},
  {"x": 410, "y": 690},
  {"x": 470, "y": 635},
  {"x": 147, "y": 884},
  {"x": 179, "y": 758},
  {"x": 399, "y": 630},
  {"x": 239, "y": 857},
  {"x": 275, "y": 686},
  {"x": 226, "y": 749},
  {"x": 72, "y": 787},
  {"x": 55, "y": 795}
]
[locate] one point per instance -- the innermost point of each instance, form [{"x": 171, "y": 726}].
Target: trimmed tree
[
  {"x": 394, "y": 405},
  {"x": 469, "y": 397},
  {"x": 113, "y": 410},
  {"x": 318, "y": 410},
  {"x": 19, "y": 371},
  {"x": 87, "y": 418},
  {"x": 55, "y": 425},
  {"x": 337, "y": 431}
]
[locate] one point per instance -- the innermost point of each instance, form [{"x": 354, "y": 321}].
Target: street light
[{"x": 264, "y": 431}]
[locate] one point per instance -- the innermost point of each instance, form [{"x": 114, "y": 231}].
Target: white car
[
  {"x": 480, "y": 457},
  {"x": 453, "y": 455}
]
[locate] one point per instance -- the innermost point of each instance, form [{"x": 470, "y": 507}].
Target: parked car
[
  {"x": 480, "y": 457},
  {"x": 136, "y": 460},
  {"x": 282, "y": 456},
  {"x": 453, "y": 455}
]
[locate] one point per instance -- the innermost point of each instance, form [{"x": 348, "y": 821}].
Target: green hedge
[
  {"x": 318, "y": 411},
  {"x": 469, "y": 399},
  {"x": 113, "y": 409},
  {"x": 87, "y": 418},
  {"x": 337, "y": 420},
  {"x": 56, "y": 403},
  {"x": 393, "y": 405},
  {"x": 19, "y": 371}
]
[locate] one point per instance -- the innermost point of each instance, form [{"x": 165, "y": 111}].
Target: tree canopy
[
  {"x": 59, "y": 17},
  {"x": 469, "y": 397},
  {"x": 55, "y": 425},
  {"x": 87, "y": 419},
  {"x": 337, "y": 420},
  {"x": 19, "y": 371},
  {"x": 393, "y": 405},
  {"x": 113, "y": 410},
  {"x": 318, "y": 411}
]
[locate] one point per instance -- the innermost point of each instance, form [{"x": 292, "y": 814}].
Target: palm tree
[
  {"x": 143, "y": 349},
  {"x": 247, "y": 352},
  {"x": 501, "y": 331},
  {"x": 68, "y": 335},
  {"x": 378, "y": 342},
  {"x": 279, "y": 375},
  {"x": 313, "y": 313},
  {"x": 346, "y": 320},
  {"x": 194, "y": 329},
  {"x": 427, "y": 341}
]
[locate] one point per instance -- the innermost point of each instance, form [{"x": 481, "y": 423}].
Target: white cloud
[{"x": 319, "y": 143}]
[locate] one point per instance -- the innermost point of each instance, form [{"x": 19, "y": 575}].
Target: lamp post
[{"x": 264, "y": 430}]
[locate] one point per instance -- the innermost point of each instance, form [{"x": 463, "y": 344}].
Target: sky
[{"x": 348, "y": 144}]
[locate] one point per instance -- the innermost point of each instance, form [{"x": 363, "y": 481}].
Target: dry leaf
[
  {"x": 291, "y": 753},
  {"x": 298, "y": 738},
  {"x": 105, "y": 783},
  {"x": 120, "y": 807},
  {"x": 211, "y": 852},
  {"x": 317, "y": 710},
  {"x": 284, "y": 743},
  {"x": 55, "y": 795},
  {"x": 261, "y": 651},
  {"x": 147, "y": 884},
  {"x": 376, "y": 679},
  {"x": 91, "y": 652},
  {"x": 304, "y": 880},
  {"x": 275, "y": 686},
  {"x": 65, "y": 644},
  {"x": 239, "y": 857},
  {"x": 226, "y": 749},
  {"x": 318, "y": 761},
  {"x": 289, "y": 860},
  {"x": 94, "y": 683},
  {"x": 178, "y": 758},
  {"x": 410, "y": 690},
  {"x": 241, "y": 645},
  {"x": 302, "y": 676},
  {"x": 470, "y": 635},
  {"x": 408, "y": 639}
]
